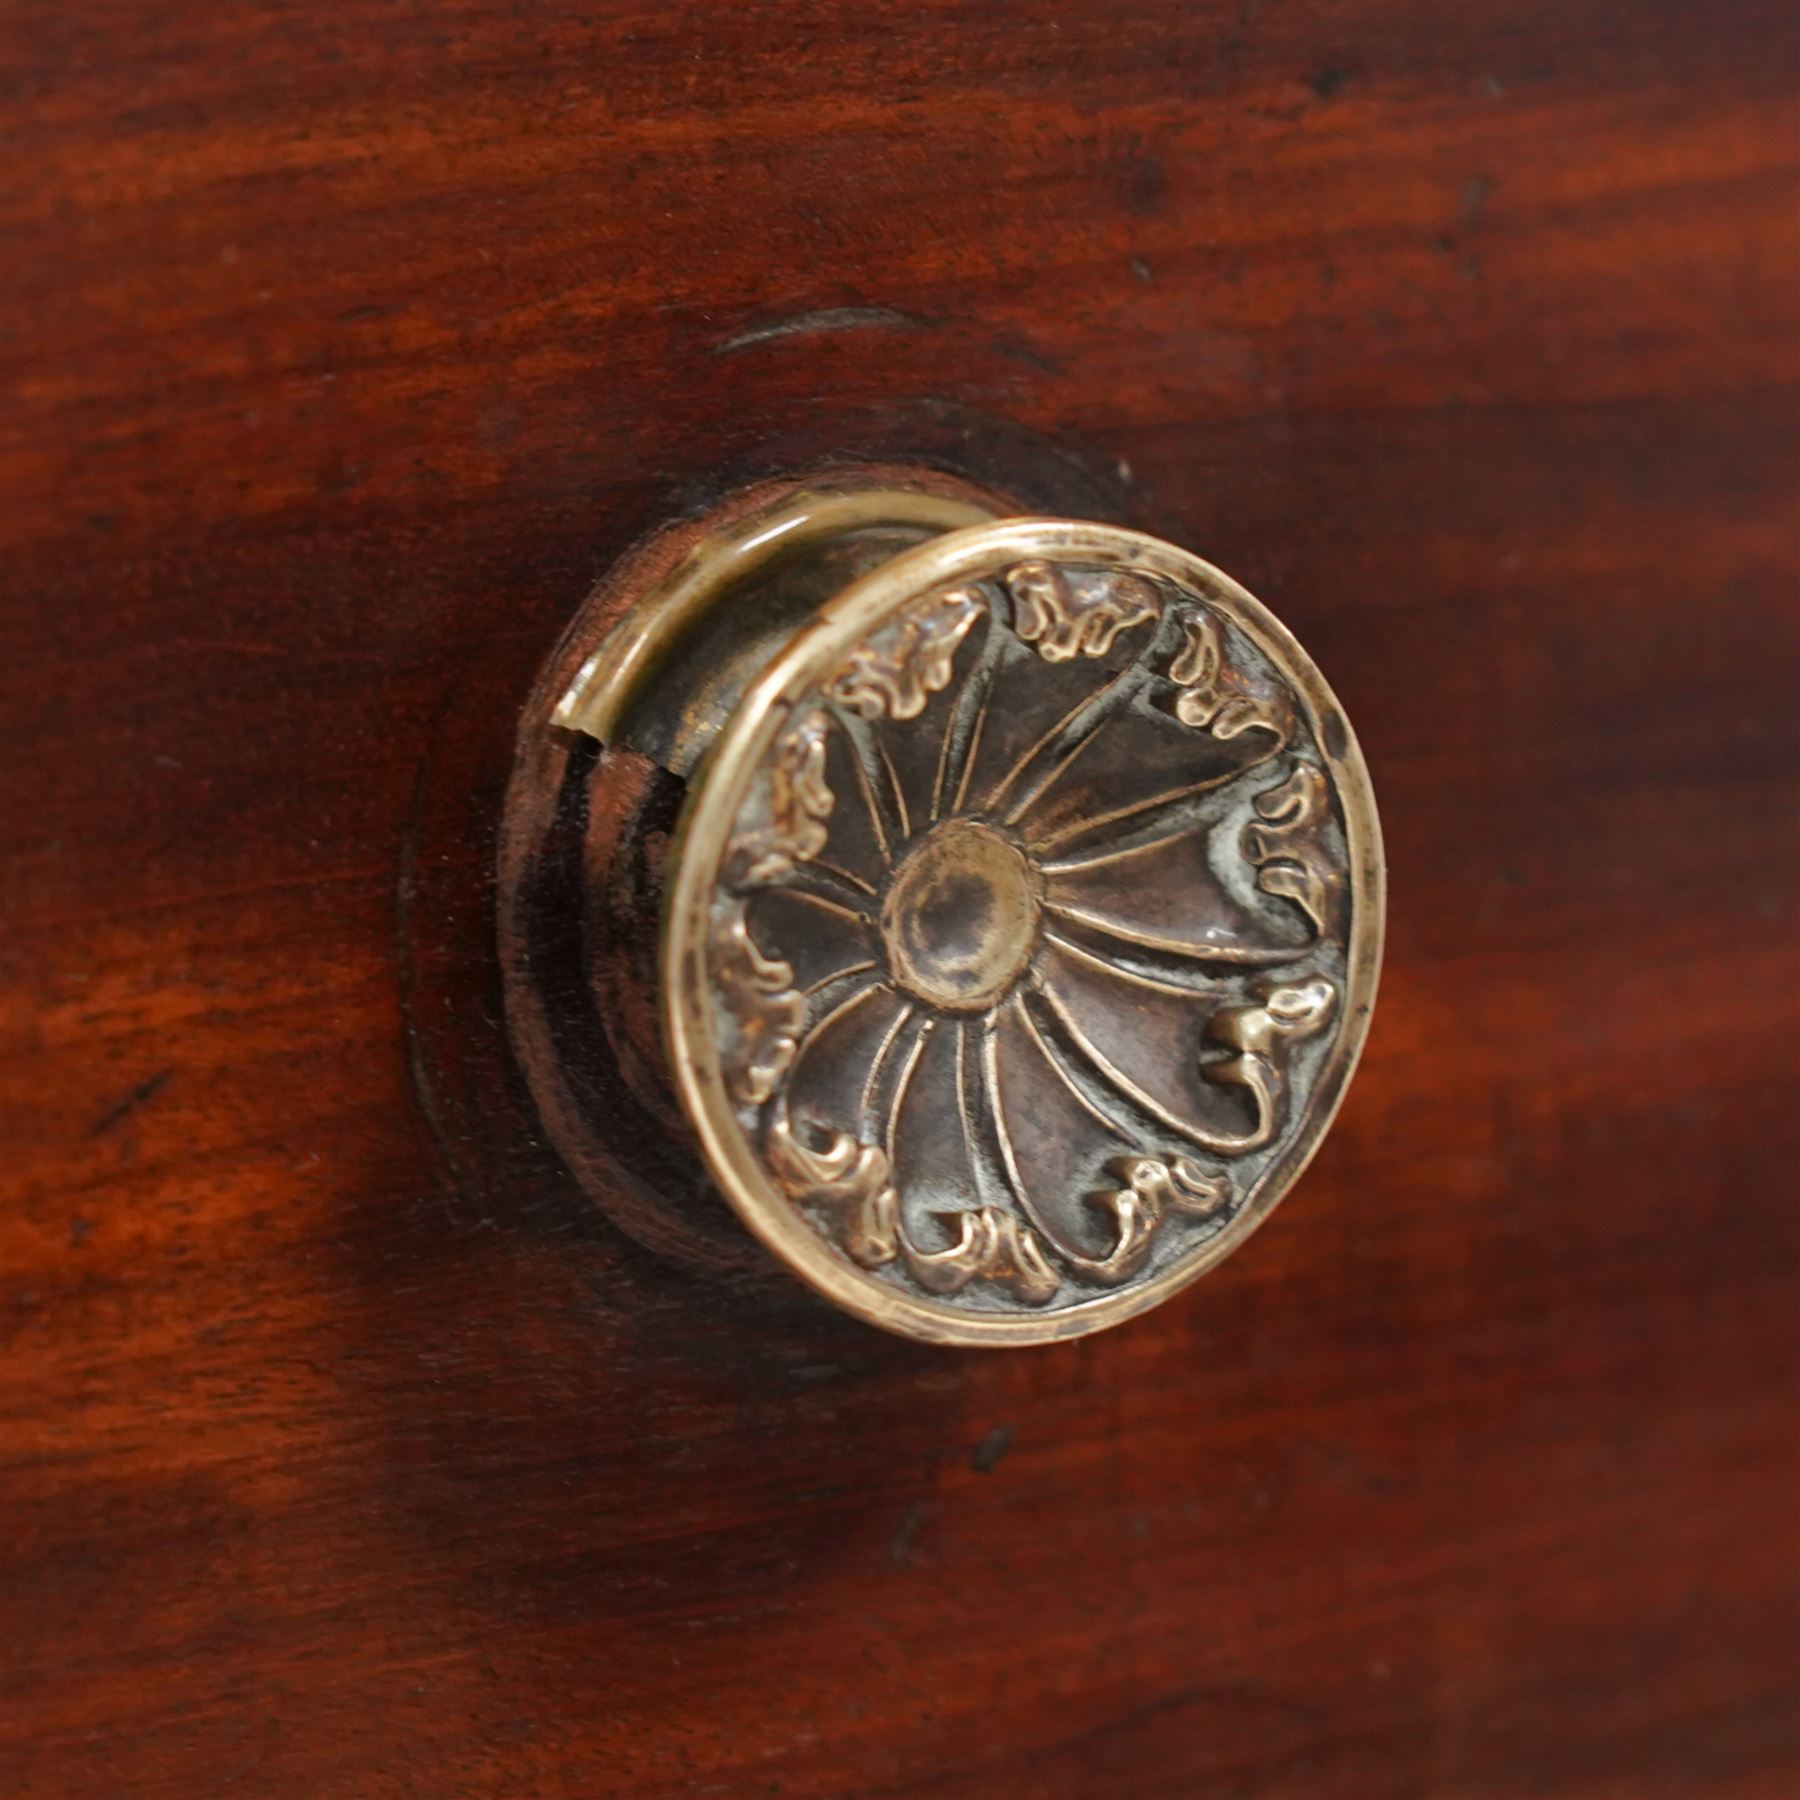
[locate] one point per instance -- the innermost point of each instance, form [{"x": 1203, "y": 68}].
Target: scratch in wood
[
  {"x": 900, "y": 1547},
  {"x": 986, "y": 1455},
  {"x": 1034, "y": 359},
  {"x": 824, "y": 319},
  {"x": 115, "y": 1114}
]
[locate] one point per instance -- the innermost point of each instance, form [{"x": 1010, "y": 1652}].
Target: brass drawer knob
[{"x": 1020, "y": 921}]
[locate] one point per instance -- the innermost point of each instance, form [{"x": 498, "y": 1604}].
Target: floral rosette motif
[{"x": 1031, "y": 938}]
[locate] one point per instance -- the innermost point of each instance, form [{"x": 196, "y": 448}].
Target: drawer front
[{"x": 349, "y": 1447}]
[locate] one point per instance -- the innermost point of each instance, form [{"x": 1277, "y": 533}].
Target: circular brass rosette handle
[{"x": 1021, "y": 918}]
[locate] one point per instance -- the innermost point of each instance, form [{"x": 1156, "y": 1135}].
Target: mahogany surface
[{"x": 344, "y": 1450}]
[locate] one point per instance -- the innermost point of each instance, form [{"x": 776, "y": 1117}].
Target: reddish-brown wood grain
[{"x": 343, "y": 1450}]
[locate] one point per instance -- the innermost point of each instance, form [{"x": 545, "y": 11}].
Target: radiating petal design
[
  {"x": 1187, "y": 721},
  {"x": 951, "y": 1238},
  {"x": 914, "y": 768},
  {"x": 1143, "y": 1042},
  {"x": 1034, "y": 704},
  {"x": 965, "y": 708},
  {"x": 927, "y": 1142},
  {"x": 1100, "y": 1209},
  {"x": 1143, "y": 775},
  {"x": 956, "y": 1224},
  {"x": 1025, "y": 955},
  {"x": 826, "y": 1083},
  {"x": 875, "y": 780},
  {"x": 1138, "y": 1047},
  {"x": 1166, "y": 896},
  {"x": 1049, "y": 758},
  {"x": 1055, "y": 1144},
  {"x": 1193, "y": 729},
  {"x": 858, "y": 842},
  {"x": 819, "y": 937}
]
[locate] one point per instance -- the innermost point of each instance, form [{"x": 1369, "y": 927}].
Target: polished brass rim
[
  {"x": 599, "y": 698},
  {"x": 972, "y": 554}
]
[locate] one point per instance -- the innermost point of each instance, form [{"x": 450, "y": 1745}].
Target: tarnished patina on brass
[{"x": 1022, "y": 920}]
